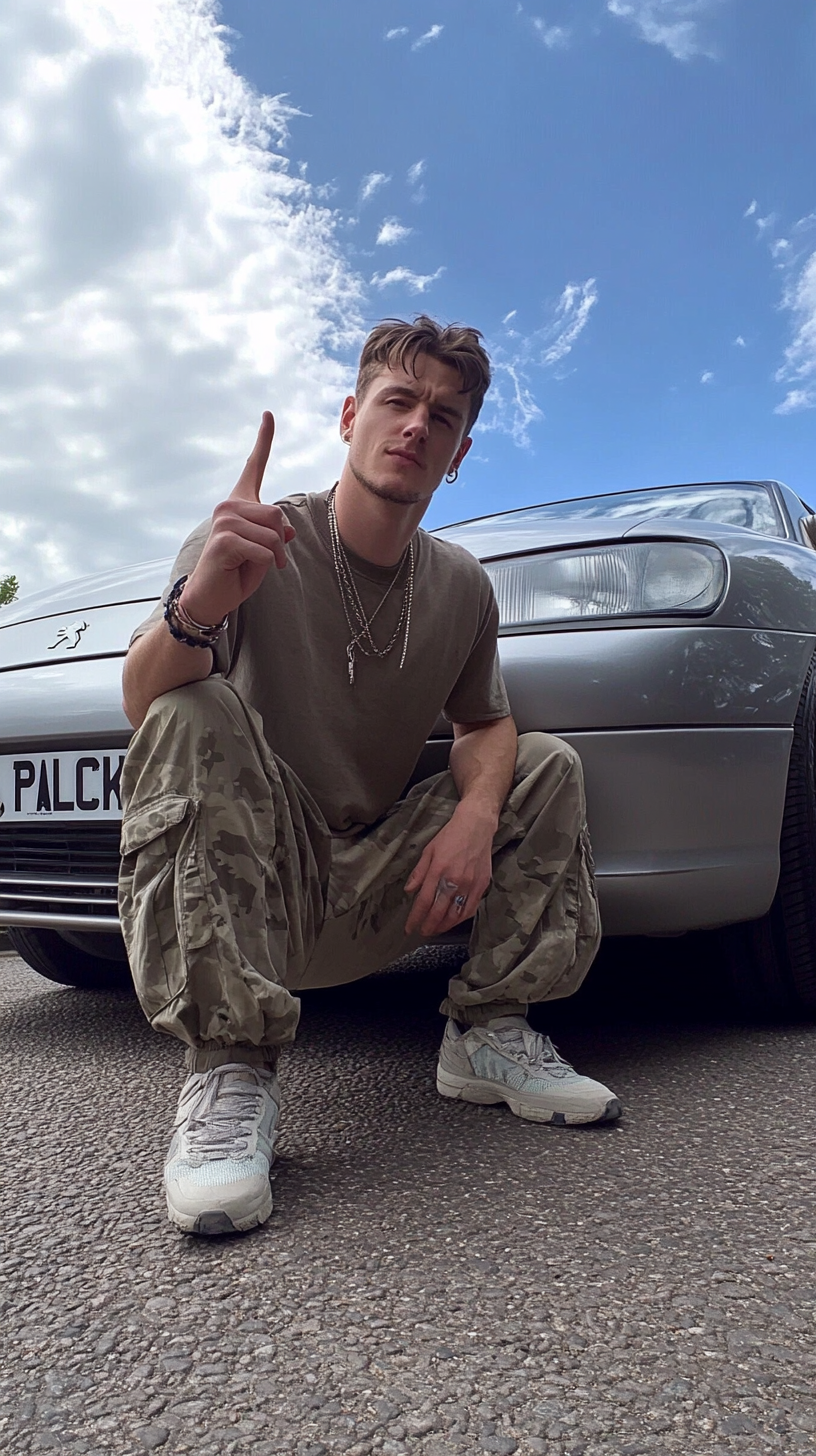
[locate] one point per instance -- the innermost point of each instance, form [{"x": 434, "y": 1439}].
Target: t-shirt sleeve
[
  {"x": 479, "y": 694},
  {"x": 183, "y": 566}
]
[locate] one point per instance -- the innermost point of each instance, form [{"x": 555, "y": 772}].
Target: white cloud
[
  {"x": 397, "y": 33},
  {"x": 740, "y": 342},
  {"x": 554, "y": 37},
  {"x": 796, "y": 400},
  {"x": 163, "y": 278},
  {"x": 423, "y": 40},
  {"x": 763, "y": 224},
  {"x": 510, "y": 408},
  {"x": 414, "y": 282},
  {"x": 673, "y": 24},
  {"x": 371, "y": 184},
  {"x": 706, "y": 377},
  {"x": 414, "y": 177},
  {"x": 799, "y": 368},
  {"x": 570, "y": 319},
  {"x": 511, "y": 404},
  {"x": 392, "y": 231},
  {"x": 798, "y": 268}
]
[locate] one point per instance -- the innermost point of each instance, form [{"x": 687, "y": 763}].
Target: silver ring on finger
[{"x": 460, "y": 902}]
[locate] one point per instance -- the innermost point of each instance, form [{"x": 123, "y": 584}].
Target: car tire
[
  {"x": 54, "y": 957},
  {"x": 771, "y": 962}
]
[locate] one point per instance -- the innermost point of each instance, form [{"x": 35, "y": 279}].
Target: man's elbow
[
  {"x": 502, "y": 726},
  {"x": 134, "y": 717},
  {"x": 135, "y": 701}
]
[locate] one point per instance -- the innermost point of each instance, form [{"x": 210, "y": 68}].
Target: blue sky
[
  {"x": 599, "y": 155},
  {"x": 204, "y": 209}
]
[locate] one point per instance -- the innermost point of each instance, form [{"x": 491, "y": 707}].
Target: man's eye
[{"x": 443, "y": 420}]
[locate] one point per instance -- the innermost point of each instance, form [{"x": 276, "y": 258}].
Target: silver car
[{"x": 669, "y": 634}]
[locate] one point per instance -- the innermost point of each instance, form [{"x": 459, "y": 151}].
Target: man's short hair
[{"x": 394, "y": 343}]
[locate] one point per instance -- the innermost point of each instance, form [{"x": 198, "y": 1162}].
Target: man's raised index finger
[{"x": 250, "y": 480}]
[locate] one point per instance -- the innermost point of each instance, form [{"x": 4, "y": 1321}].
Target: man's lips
[{"x": 404, "y": 455}]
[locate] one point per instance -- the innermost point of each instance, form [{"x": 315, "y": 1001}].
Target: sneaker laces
[
  {"x": 534, "y": 1050},
  {"x": 223, "y": 1115}
]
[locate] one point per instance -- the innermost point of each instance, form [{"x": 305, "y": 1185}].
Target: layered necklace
[{"x": 359, "y": 623}]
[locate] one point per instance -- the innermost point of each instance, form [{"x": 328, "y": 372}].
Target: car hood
[
  {"x": 142, "y": 583},
  {"x": 484, "y": 539},
  {"x": 488, "y": 540},
  {"x": 92, "y": 617}
]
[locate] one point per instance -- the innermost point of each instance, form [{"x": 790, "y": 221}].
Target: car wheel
[
  {"x": 771, "y": 962},
  {"x": 71, "y": 964}
]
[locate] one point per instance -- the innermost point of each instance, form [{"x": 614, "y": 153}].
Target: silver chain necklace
[{"x": 359, "y": 624}]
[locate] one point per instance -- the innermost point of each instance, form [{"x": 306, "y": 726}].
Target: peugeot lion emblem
[{"x": 68, "y": 637}]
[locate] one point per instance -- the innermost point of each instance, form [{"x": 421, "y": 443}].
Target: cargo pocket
[
  {"x": 583, "y": 915},
  {"x": 162, "y": 897}
]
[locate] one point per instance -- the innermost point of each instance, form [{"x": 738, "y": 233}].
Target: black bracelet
[{"x": 209, "y": 635}]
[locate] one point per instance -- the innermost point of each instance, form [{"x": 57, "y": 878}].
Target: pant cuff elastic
[
  {"x": 199, "y": 1059},
  {"x": 480, "y": 1015}
]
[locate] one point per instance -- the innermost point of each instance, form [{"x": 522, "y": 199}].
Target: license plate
[{"x": 61, "y": 786}]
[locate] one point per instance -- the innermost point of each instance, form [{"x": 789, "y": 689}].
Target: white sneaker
[
  {"x": 506, "y": 1061},
  {"x": 217, "y": 1172}
]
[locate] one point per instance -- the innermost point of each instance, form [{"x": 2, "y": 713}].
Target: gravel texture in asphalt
[{"x": 436, "y": 1278}]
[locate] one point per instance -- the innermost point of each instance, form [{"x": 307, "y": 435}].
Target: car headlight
[{"x": 637, "y": 579}]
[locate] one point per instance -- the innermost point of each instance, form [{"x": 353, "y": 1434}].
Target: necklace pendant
[{"x": 350, "y": 655}]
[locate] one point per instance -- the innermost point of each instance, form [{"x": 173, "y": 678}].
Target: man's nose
[{"x": 417, "y": 424}]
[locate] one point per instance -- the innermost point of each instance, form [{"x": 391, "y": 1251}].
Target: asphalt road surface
[{"x": 436, "y": 1278}]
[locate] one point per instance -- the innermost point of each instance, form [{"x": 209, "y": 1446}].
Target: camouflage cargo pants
[{"x": 234, "y": 894}]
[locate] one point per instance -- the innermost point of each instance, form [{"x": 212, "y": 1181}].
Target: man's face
[{"x": 407, "y": 431}]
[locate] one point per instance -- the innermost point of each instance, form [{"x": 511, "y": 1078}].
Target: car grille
[{"x": 59, "y": 869}]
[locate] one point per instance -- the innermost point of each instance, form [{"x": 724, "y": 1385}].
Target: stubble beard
[{"x": 385, "y": 492}]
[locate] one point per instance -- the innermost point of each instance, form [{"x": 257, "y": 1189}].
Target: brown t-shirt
[{"x": 355, "y": 746}]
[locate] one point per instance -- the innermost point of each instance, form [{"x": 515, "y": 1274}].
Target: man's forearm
[
  {"x": 483, "y": 761},
  {"x": 156, "y": 663}
]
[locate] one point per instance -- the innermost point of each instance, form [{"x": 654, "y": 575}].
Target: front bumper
[
  {"x": 60, "y": 876},
  {"x": 685, "y": 822},
  {"x": 685, "y": 826}
]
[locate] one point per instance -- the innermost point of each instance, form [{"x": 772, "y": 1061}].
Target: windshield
[{"x": 745, "y": 504}]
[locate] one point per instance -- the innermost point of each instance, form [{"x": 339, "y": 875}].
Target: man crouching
[{"x": 283, "y": 693}]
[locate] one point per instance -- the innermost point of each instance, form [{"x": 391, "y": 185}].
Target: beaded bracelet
[{"x": 178, "y": 619}]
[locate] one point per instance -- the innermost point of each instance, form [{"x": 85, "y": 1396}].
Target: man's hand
[
  {"x": 457, "y": 862},
  {"x": 245, "y": 540}
]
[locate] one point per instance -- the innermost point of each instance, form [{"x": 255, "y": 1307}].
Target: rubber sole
[
  {"x": 488, "y": 1094},
  {"x": 214, "y": 1221}
]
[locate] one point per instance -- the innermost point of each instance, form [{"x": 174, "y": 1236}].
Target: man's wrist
[
  {"x": 184, "y": 627},
  {"x": 478, "y": 810},
  {"x": 195, "y": 605}
]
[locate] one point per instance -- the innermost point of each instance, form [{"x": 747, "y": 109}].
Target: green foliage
[{"x": 9, "y": 587}]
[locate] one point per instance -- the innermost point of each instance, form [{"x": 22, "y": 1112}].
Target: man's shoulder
[
  {"x": 298, "y": 501},
  {"x": 301, "y": 502},
  {"x": 453, "y": 560}
]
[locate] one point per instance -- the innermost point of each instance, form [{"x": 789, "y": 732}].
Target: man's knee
[
  {"x": 535, "y": 749},
  {"x": 549, "y": 786},
  {"x": 206, "y": 699},
  {"x": 197, "y": 735}
]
